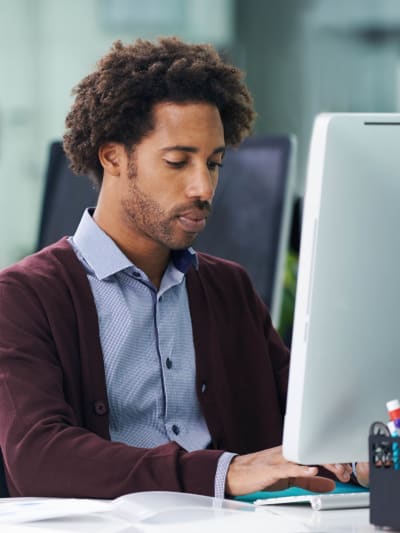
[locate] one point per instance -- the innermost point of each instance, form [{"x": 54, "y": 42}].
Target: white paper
[
  {"x": 134, "y": 508},
  {"x": 19, "y": 510}
]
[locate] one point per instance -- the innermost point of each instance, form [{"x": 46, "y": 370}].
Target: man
[{"x": 127, "y": 361}]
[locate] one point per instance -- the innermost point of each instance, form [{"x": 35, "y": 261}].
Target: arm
[
  {"x": 280, "y": 358},
  {"x": 268, "y": 469},
  {"x": 48, "y": 449}
]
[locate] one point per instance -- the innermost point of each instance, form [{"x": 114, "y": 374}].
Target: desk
[{"x": 210, "y": 518}]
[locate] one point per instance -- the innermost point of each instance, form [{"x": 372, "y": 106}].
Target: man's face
[{"x": 172, "y": 174}]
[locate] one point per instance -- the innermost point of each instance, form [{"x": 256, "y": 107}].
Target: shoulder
[
  {"x": 49, "y": 268},
  {"x": 211, "y": 263},
  {"x": 222, "y": 270},
  {"x": 225, "y": 282}
]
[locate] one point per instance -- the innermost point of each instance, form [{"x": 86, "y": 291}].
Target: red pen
[{"x": 393, "y": 407}]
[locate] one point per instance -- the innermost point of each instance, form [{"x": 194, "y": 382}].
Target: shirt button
[
  {"x": 175, "y": 429},
  {"x": 168, "y": 363},
  {"x": 99, "y": 407},
  {"x": 203, "y": 387}
]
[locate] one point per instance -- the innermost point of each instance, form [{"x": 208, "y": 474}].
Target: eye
[
  {"x": 213, "y": 165},
  {"x": 175, "y": 164}
]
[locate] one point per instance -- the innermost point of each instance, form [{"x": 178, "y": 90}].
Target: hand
[
  {"x": 269, "y": 469},
  {"x": 362, "y": 474}
]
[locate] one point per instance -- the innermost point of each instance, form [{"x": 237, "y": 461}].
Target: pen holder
[{"x": 384, "y": 464}]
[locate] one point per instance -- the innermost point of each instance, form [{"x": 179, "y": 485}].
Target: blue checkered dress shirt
[{"x": 148, "y": 350}]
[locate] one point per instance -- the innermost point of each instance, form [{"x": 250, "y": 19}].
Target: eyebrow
[{"x": 191, "y": 149}]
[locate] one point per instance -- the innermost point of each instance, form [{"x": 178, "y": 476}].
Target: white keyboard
[{"x": 319, "y": 502}]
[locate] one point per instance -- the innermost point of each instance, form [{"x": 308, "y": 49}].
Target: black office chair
[{"x": 65, "y": 198}]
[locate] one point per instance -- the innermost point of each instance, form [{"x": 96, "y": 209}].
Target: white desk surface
[{"x": 272, "y": 519}]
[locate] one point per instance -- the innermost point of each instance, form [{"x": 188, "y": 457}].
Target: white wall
[
  {"x": 46, "y": 47},
  {"x": 18, "y": 126},
  {"x": 308, "y": 56}
]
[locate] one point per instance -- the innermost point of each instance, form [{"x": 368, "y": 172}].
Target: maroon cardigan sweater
[{"x": 54, "y": 426}]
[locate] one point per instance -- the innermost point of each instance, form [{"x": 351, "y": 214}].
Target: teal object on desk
[{"x": 341, "y": 488}]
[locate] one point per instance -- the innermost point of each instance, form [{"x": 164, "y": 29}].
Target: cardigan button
[
  {"x": 203, "y": 387},
  {"x": 99, "y": 407}
]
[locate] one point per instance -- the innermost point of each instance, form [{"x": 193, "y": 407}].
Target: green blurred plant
[{"x": 288, "y": 296}]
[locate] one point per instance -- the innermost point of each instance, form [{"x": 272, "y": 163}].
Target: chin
[{"x": 179, "y": 244}]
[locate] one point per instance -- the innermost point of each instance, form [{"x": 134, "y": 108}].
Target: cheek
[
  {"x": 166, "y": 191},
  {"x": 164, "y": 186},
  {"x": 152, "y": 179},
  {"x": 151, "y": 197}
]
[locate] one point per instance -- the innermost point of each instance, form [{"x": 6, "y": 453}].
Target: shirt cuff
[{"x": 220, "y": 476}]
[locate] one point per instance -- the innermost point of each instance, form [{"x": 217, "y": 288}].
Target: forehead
[{"x": 187, "y": 123}]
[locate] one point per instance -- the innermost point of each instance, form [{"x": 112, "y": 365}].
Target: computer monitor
[
  {"x": 65, "y": 198},
  {"x": 252, "y": 211},
  {"x": 345, "y": 361}
]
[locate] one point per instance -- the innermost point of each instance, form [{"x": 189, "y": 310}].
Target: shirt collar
[{"x": 105, "y": 258}]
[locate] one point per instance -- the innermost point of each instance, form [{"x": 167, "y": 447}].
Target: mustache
[{"x": 199, "y": 205}]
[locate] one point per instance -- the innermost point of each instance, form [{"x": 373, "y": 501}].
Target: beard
[{"x": 145, "y": 215}]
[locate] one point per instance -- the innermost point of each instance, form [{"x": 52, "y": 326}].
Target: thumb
[{"x": 314, "y": 484}]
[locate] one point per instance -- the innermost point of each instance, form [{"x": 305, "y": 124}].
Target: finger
[
  {"x": 314, "y": 484},
  {"x": 287, "y": 471},
  {"x": 292, "y": 470},
  {"x": 281, "y": 484},
  {"x": 362, "y": 468},
  {"x": 341, "y": 471}
]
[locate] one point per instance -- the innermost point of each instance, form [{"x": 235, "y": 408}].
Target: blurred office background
[{"x": 301, "y": 57}]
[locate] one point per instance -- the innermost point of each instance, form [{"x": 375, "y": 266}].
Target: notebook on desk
[{"x": 344, "y": 496}]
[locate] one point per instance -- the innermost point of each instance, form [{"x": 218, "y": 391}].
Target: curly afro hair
[{"x": 114, "y": 103}]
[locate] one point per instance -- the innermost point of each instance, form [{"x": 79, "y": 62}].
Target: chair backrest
[
  {"x": 65, "y": 198},
  {"x": 252, "y": 212}
]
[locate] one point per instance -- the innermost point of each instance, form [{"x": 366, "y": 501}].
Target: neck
[
  {"x": 154, "y": 267},
  {"x": 146, "y": 254}
]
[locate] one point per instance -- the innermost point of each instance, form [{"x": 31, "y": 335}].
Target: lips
[{"x": 193, "y": 222}]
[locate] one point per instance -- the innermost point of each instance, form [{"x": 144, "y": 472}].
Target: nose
[{"x": 201, "y": 184}]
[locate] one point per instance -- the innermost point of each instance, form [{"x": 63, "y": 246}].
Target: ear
[{"x": 112, "y": 157}]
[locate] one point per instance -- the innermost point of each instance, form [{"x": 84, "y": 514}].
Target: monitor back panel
[{"x": 346, "y": 339}]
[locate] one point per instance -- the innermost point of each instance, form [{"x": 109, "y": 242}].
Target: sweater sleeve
[
  {"x": 47, "y": 447},
  {"x": 279, "y": 355},
  {"x": 276, "y": 349}
]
